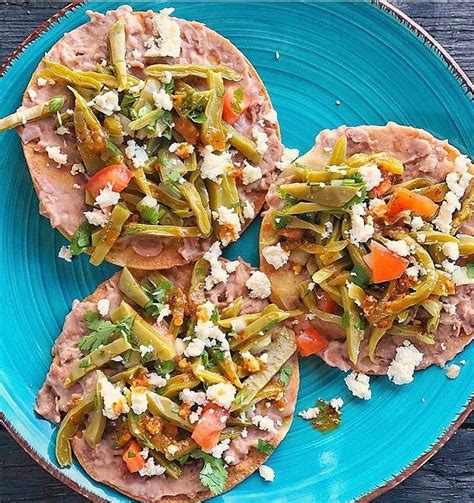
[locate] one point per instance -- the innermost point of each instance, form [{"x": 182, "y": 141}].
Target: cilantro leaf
[
  {"x": 81, "y": 240},
  {"x": 215, "y": 315},
  {"x": 157, "y": 298},
  {"x": 101, "y": 330},
  {"x": 285, "y": 375},
  {"x": 360, "y": 276},
  {"x": 470, "y": 270},
  {"x": 345, "y": 319},
  {"x": 281, "y": 221},
  {"x": 127, "y": 103},
  {"x": 151, "y": 215},
  {"x": 213, "y": 474},
  {"x": 218, "y": 355},
  {"x": 164, "y": 367},
  {"x": 264, "y": 447},
  {"x": 198, "y": 116},
  {"x": 83, "y": 364},
  {"x": 169, "y": 87}
]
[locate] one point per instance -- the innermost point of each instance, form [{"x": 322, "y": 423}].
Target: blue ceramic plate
[{"x": 380, "y": 67}]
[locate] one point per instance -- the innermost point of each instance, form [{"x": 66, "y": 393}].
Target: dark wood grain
[{"x": 449, "y": 475}]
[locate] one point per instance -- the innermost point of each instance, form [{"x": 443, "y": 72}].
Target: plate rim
[{"x": 463, "y": 80}]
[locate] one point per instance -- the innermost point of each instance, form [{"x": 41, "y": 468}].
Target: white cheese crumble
[
  {"x": 451, "y": 250},
  {"x": 41, "y": 81},
  {"x": 155, "y": 380},
  {"x": 287, "y": 157},
  {"x": 452, "y": 371},
  {"x": 222, "y": 394},
  {"x": 76, "y": 186},
  {"x": 329, "y": 228},
  {"x": 457, "y": 181},
  {"x": 271, "y": 116},
  {"x": 229, "y": 223},
  {"x": 220, "y": 448},
  {"x": 449, "y": 308},
  {"x": 229, "y": 459},
  {"x": 194, "y": 348},
  {"x": 310, "y": 413},
  {"x": 136, "y": 153},
  {"x": 62, "y": 131},
  {"x": 336, "y": 404},
  {"x": 107, "y": 197},
  {"x": 192, "y": 397},
  {"x": 77, "y": 168},
  {"x": 183, "y": 148},
  {"x": 248, "y": 210},
  {"x": 54, "y": 153},
  {"x": 114, "y": 401},
  {"x": 107, "y": 103},
  {"x": 215, "y": 165},
  {"x": 259, "y": 285},
  {"x": 460, "y": 277},
  {"x": 261, "y": 140},
  {"x": 149, "y": 202},
  {"x": 371, "y": 175},
  {"x": 151, "y": 469},
  {"x": 358, "y": 385},
  {"x": 96, "y": 217},
  {"x": 400, "y": 247},
  {"x": 103, "y": 307},
  {"x": 217, "y": 274},
  {"x": 162, "y": 100},
  {"x": 144, "y": 350},
  {"x": 267, "y": 473},
  {"x": 65, "y": 253},
  {"x": 361, "y": 231},
  {"x": 139, "y": 400},
  {"x": 275, "y": 255},
  {"x": 401, "y": 369},
  {"x": 232, "y": 266},
  {"x": 417, "y": 223},
  {"x": 167, "y": 36},
  {"x": 250, "y": 174},
  {"x": 264, "y": 423}
]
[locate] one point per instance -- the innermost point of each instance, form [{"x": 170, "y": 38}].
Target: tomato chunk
[
  {"x": 133, "y": 459},
  {"x": 208, "y": 429},
  {"x": 404, "y": 199},
  {"x": 325, "y": 302},
  {"x": 236, "y": 101},
  {"x": 117, "y": 175},
  {"x": 310, "y": 342},
  {"x": 385, "y": 264}
]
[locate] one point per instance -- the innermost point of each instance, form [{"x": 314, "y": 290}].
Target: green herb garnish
[
  {"x": 360, "y": 276},
  {"x": 164, "y": 367},
  {"x": 213, "y": 474},
  {"x": 264, "y": 447},
  {"x": 285, "y": 375},
  {"x": 81, "y": 240}
]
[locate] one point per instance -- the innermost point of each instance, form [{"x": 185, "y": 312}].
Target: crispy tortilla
[
  {"x": 105, "y": 464},
  {"x": 423, "y": 156},
  {"x": 85, "y": 47}
]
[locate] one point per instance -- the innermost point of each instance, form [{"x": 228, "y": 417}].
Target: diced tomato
[
  {"x": 116, "y": 174},
  {"x": 386, "y": 265},
  {"x": 325, "y": 302},
  {"x": 236, "y": 101},
  {"x": 187, "y": 129},
  {"x": 404, "y": 199},
  {"x": 310, "y": 342},
  {"x": 207, "y": 430},
  {"x": 133, "y": 459}
]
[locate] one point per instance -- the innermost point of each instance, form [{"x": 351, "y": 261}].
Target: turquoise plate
[{"x": 379, "y": 66}]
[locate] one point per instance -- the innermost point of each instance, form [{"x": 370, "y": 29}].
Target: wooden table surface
[{"x": 449, "y": 475}]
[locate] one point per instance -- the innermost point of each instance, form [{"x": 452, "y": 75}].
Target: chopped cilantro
[
  {"x": 360, "y": 324},
  {"x": 127, "y": 103},
  {"x": 198, "y": 116},
  {"x": 218, "y": 355},
  {"x": 157, "y": 301},
  {"x": 264, "y": 447},
  {"x": 213, "y": 474},
  {"x": 169, "y": 87},
  {"x": 281, "y": 221},
  {"x": 360, "y": 276},
  {"x": 101, "y": 330},
  {"x": 183, "y": 459},
  {"x": 284, "y": 376},
  {"x": 215, "y": 315},
  {"x": 164, "y": 367},
  {"x": 81, "y": 240},
  {"x": 151, "y": 215}
]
